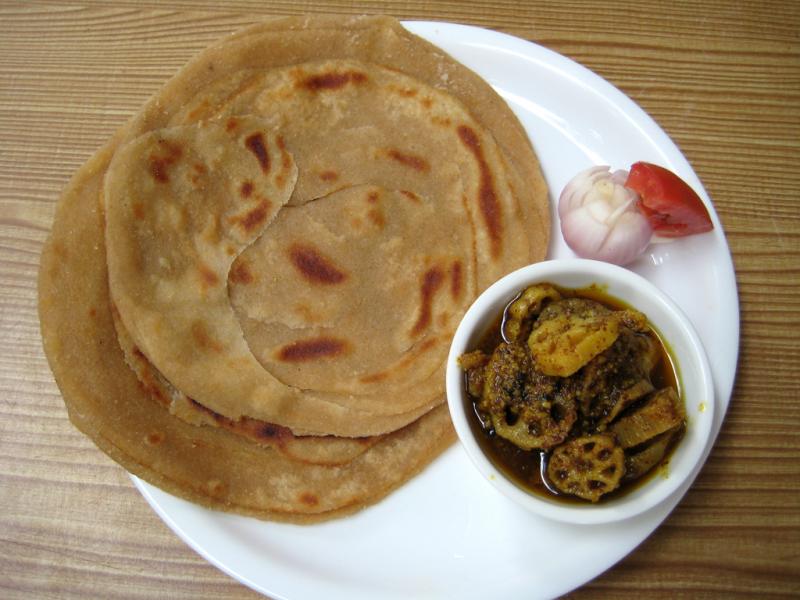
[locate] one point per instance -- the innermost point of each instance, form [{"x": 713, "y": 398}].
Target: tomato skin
[{"x": 672, "y": 207}]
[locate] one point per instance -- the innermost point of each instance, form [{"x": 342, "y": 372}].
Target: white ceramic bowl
[{"x": 664, "y": 315}]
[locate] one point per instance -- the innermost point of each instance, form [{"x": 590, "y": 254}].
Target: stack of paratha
[{"x": 248, "y": 295}]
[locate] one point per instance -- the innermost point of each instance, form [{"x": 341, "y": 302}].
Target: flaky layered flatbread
[{"x": 287, "y": 235}]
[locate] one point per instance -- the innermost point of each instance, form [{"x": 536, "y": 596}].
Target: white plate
[{"x": 448, "y": 533}]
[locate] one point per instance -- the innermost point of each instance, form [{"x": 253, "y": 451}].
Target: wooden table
[{"x": 723, "y": 79}]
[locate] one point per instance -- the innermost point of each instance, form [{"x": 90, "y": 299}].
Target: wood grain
[{"x": 723, "y": 79}]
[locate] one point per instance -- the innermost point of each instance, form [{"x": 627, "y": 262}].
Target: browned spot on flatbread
[
  {"x": 253, "y": 218},
  {"x": 207, "y": 276},
  {"x": 308, "y": 498},
  {"x": 212, "y": 230},
  {"x": 139, "y": 364},
  {"x": 329, "y": 176},
  {"x": 150, "y": 387},
  {"x": 255, "y": 143},
  {"x": 376, "y": 216},
  {"x": 427, "y": 345},
  {"x": 247, "y": 189},
  {"x": 93, "y": 312},
  {"x": 154, "y": 438},
  {"x": 432, "y": 280},
  {"x": 332, "y": 80},
  {"x": 203, "y": 338},
  {"x": 487, "y": 197},
  {"x": 198, "y": 111},
  {"x": 259, "y": 431},
  {"x": 240, "y": 272},
  {"x": 312, "y": 349},
  {"x": 262, "y": 432},
  {"x": 408, "y": 160},
  {"x": 405, "y": 92},
  {"x": 138, "y": 210},
  {"x": 286, "y": 164},
  {"x": 207, "y": 410},
  {"x": 198, "y": 171},
  {"x": 427, "y": 102},
  {"x": 313, "y": 266},
  {"x": 272, "y": 432},
  {"x": 374, "y": 377},
  {"x": 456, "y": 279},
  {"x": 161, "y": 159},
  {"x": 411, "y": 196},
  {"x": 155, "y": 391},
  {"x": 231, "y": 124}
]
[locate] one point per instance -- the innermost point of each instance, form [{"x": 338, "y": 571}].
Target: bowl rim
[{"x": 687, "y": 458}]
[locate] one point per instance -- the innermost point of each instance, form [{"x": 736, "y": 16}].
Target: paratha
[
  {"x": 351, "y": 123},
  {"x": 205, "y": 465},
  {"x": 318, "y": 450},
  {"x": 415, "y": 188}
]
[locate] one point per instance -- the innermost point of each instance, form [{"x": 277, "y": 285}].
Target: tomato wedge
[{"x": 672, "y": 207}]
